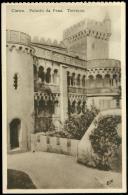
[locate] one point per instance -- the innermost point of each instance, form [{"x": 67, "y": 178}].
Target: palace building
[{"x": 47, "y": 80}]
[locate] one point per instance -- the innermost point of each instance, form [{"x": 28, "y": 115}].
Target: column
[{"x": 63, "y": 93}]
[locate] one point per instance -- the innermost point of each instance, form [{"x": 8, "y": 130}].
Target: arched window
[
  {"x": 35, "y": 70},
  {"x": 83, "y": 81},
  {"x": 73, "y": 107},
  {"x": 78, "y": 80},
  {"x": 115, "y": 80},
  {"x": 56, "y": 104},
  {"x": 50, "y": 106},
  {"x": 69, "y": 107},
  {"x": 41, "y": 73},
  {"x": 79, "y": 107},
  {"x": 91, "y": 82},
  {"x": 48, "y": 75},
  {"x": 68, "y": 78},
  {"x": 55, "y": 77},
  {"x": 36, "y": 105},
  {"x": 107, "y": 81},
  {"x": 84, "y": 107},
  {"x": 119, "y": 80},
  {"x": 99, "y": 81},
  {"x": 41, "y": 106},
  {"x": 73, "y": 79}
]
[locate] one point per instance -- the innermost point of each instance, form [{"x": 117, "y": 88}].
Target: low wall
[{"x": 40, "y": 142}]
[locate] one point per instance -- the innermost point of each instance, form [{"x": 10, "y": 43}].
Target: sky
[{"x": 25, "y": 18}]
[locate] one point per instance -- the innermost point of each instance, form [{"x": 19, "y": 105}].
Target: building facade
[{"x": 50, "y": 81}]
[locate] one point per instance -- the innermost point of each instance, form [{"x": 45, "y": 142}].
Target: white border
[{"x": 4, "y": 107}]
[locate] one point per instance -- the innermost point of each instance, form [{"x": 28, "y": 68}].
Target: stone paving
[{"x": 56, "y": 171}]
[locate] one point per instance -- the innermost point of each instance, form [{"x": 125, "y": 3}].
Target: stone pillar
[{"x": 63, "y": 94}]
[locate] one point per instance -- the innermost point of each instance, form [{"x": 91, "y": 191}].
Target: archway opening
[
  {"x": 78, "y": 80},
  {"x": 91, "y": 82},
  {"x": 55, "y": 77},
  {"x": 107, "y": 80},
  {"x": 99, "y": 81},
  {"x": 48, "y": 75},
  {"x": 83, "y": 81},
  {"x": 15, "y": 126},
  {"x": 41, "y": 74},
  {"x": 68, "y": 78},
  {"x": 73, "y": 79}
]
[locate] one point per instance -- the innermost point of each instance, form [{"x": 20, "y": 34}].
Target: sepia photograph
[{"x": 63, "y": 97}]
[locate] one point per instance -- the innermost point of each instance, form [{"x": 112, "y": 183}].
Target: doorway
[{"x": 15, "y": 127}]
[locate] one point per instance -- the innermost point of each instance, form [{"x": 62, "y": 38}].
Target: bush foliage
[
  {"x": 75, "y": 127},
  {"x": 106, "y": 141}
]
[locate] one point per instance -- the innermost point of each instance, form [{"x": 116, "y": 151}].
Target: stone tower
[
  {"x": 20, "y": 90},
  {"x": 89, "y": 39}
]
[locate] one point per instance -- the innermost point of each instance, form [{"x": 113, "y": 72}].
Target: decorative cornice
[{"x": 20, "y": 48}]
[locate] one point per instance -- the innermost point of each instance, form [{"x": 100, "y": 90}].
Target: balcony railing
[
  {"x": 103, "y": 63},
  {"x": 106, "y": 91},
  {"x": 77, "y": 90},
  {"x": 90, "y": 91},
  {"x": 49, "y": 88}
]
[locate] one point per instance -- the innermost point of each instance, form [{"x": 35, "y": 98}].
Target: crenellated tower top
[
  {"x": 78, "y": 38},
  {"x": 90, "y": 28}
]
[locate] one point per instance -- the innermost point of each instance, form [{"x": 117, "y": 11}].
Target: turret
[
  {"x": 20, "y": 90},
  {"x": 107, "y": 22}
]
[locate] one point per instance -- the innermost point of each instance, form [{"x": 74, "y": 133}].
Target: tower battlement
[
  {"x": 86, "y": 38},
  {"x": 90, "y": 28},
  {"x": 49, "y": 41}
]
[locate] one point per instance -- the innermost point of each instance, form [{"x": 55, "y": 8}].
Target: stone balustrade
[
  {"x": 90, "y": 91},
  {"x": 103, "y": 63},
  {"x": 51, "y": 87}
]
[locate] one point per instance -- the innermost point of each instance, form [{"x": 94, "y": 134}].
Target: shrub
[
  {"x": 75, "y": 127},
  {"x": 105, "y": 141}
]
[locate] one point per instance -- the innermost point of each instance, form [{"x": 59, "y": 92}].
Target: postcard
[{"x": 64, "y": 100}]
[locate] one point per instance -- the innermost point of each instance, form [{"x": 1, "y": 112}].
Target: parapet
[
  {"x": 18, "y": 37},
  {"x": 49, "y": 42},
  {"x": 89, "y": 28},
  {"x": 104, "y": 63}
]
